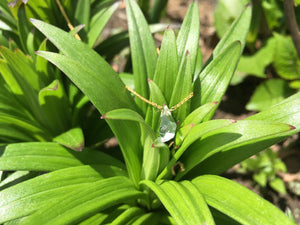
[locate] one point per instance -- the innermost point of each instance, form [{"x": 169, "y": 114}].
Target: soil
[{"x": 233, "y": 103}]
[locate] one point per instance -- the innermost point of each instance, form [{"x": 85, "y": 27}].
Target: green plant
[
  {"x": 37, "y": 103},
  {"x": 91, "y": 187},
  {"x": 269, "y": 45},
  {"x": 265, "y": 167}
]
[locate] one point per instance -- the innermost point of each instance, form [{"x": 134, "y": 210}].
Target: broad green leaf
[
  {"x": 128, "y": 214},
  {"x": 73, "y": 139},
  {"x": 6, "y": 16},
  {"x": 232, "y": 144},
  {"x": 20, "y": 129},
  {"x": 98, "y": 22},
  {"x": 82, "y": 13},
  {"x": 95, "y": 219},
  {"x": 255, "y": 64},
  {"x": 287, "y": 111},
  {"x": 188, "y": 36},
  {"x": 278, "y": 185},
  {"x": 182, "y": 89},
  {"x": 198, "y": 114},
  {"x": 128, "y": 114},
  {"x": 153, "y": 115},
  {"x": 268, "y": 94},
  {"x": 79, "y": 204},
  {"x": 100, "y": 83},
  {"x": 42, "y": 66},
  {"x": 167, "y": 65},
  {"x": 24, "y": 198},
  {"x": 238, "y": 202},
  {"x": 153, "y": 158},
  {"x": 295, "y": 84},
  {"x": 156, "y": 10},
  {"x": 286, "y": 61},
  {"x": 22, "y": 67},
  {"x": 238, "y": 30},
  {"x": 17, "y": 177},
  {"x": 194, "y": 134},
  {"x": 273, "y": 13},
  {"x": 216, "y": 76},
  {"x": 149, "y": 218},
  {"x": 143, "y": 51},
  {"x": 182, "y": 133},
  {"x": 55, "y": 107},
  {"x": 183, "y": 201},
  {"x": 50, "y": 156},
  {"x": 23, "y": 27}
]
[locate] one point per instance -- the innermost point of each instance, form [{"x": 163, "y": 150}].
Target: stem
[{"x": 292, "y": 23}]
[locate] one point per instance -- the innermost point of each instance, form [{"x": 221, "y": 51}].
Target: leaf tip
[
  {"x": 292, "y": 127},
  {"x": 149, "y": 80},
  {"x": 248, "y": 5},
  {"x": 32, "y": 20}
]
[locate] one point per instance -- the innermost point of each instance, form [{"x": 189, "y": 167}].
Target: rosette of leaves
[
  {"x": 37, "y": 103},
  {"x": 265, "y": 167},
  {"x": 92, "y": 187}
]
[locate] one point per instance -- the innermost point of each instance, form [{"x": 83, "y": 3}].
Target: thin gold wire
[
  {"x": 143, "y": 99},
  {"x": 61, "y": 8},
  {"x": 182, "y": 102},
  {"x": 159, "y": 106}
]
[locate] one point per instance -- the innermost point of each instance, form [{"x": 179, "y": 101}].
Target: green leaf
[
  {"x": 198, "y": 114},
  {"x": 238, "y": 202},
  {"x": 128, "y": 214},
  {"x": 273, "y": 13},
  {"x": 216, "y": 76},
  {"x": 269, "y": 93},
  {"x": 286, "y": 61},
  {"x": 17, "y": 177},
  {"x": 127, "y": 114},
  {"x": 73, "y": 139},
  {"x": 153, "y": 158},
  {"x": 229, "y": 145},
  {"x": 183, "y": 201},
  {"x": 94, "y": 76},
  {"x": 238, "y": 30},
  {"x": 188, "y": 36},
  {"x": 84, "y": 202},
  {"x": 153, "y": 115},
  {"x": 22, "y": 67},
  {"x": 255, "y": 64},
  {"x": 82, "y": 13},
  {"x": 143, "y": 51},
  {"x": 6, "y": 15},
  {"x": 182, "y": 88},
  {"x": 287, "y": 111},
  {"x": 295, "y": 84},
  {"x": 32, "y": 195},
  {"x": 167, "y": 65},
  {"x": 55, "y": 107},
  {"x": 99, "y": 20},
  {"x": 195, "y": 133},
  {"x": 156, "y": 10},
  {"x": 23, "y": 27},
  {"x": 50, "y": 156}
]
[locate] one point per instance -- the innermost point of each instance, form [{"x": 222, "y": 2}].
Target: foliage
[
  {"x": 268, "y": 31},
  {"x": 265, "y": 166},
  {"x": 150, "y": 184}
]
